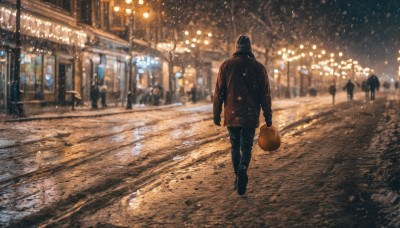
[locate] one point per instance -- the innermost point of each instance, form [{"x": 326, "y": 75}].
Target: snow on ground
[
  {"x": 172, "y": 168},
  {"x": 387, "y": 146}
]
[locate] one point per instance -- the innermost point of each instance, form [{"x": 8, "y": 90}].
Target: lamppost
[
  {"x": 17, "y": 109},
  {"x": 130, "y": 12},
  {"x": 288, "y": 56}
]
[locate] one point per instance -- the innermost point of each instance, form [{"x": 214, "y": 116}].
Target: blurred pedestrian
[
  {"x": 313, "y": 92},
  {"x": 332, "y": 91},
  {"x": 156, "y": 95},
  {"x": 349, "y": 87},
  {"x": 193, "y": 92},
  {"x": 103, "y": 93},
  {"x": 386, "y": 85},
  {"x": 365, "y": 88},
  {"x": 396, "y": 85},
  {"x": 94, "y": 92},
  {"x": 242, "y": 86},
  {"x": 373, "y": 83}
]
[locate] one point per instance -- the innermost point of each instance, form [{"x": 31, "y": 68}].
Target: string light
[{"x": 40, "y": 28}]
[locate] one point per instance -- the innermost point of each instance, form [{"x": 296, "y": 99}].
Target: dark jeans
[
  {"x": 372, "y": 94},
  {"x": 350, "y": 95},
  {"x": 241, "y": 140}
]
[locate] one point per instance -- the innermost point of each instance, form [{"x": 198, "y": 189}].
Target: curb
[{"x": 90, "y": 115}]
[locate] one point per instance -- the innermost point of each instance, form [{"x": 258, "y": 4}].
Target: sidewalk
[{"x": 64, "y": 112}]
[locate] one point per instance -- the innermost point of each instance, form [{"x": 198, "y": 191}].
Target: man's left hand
[{"x": 217, "y": 120}]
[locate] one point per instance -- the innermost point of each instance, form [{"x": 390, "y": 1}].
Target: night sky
[{"x": 368, "y": 28}]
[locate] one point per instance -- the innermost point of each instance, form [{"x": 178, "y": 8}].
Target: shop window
[
  {"x": 38, "y": 75},
  {"x": 49, "y": 66},
  {"x": 115, "y": 83},
  {"x": 28, "y": 72},
  {"x": 3, "y": 79}
]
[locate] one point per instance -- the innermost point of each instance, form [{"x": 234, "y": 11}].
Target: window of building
[
  {"x": 31, "y": 72},
  {"x": 86, "y": 15},
  {"x": 49, "y": 73},
  {"x": 64, "y": 4}
]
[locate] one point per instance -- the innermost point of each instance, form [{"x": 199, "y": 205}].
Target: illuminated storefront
[
  {"x": 47, "y": 57},
  {"x": 4, "y": 78}
]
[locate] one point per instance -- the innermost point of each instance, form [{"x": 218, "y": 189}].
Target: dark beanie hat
[{"x": 243, "y": 44}]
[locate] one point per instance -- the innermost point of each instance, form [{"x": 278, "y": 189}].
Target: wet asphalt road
[{"x": 56, "y": 172}]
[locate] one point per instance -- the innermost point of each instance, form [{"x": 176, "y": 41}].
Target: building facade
[{"x": 72, "y": 47}]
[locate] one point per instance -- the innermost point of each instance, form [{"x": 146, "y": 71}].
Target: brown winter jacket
[{"x": 243, "y": 87}]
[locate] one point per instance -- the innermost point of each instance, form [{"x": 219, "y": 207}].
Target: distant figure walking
[
  {"x": 193, "y": 92},
  {"x": 332, "y": 91},
  {"x": 156, "y": 94},
  {"x": 94, "y": 92},
  {"x": 349, "y": 87},
  {"x": 243, "y": 87},
  {"x": 373, "y": 83},
  {"x": 396, "y": 85},
  {"x": 365, "y": 88},
  {"x": 103, "y": 93}
]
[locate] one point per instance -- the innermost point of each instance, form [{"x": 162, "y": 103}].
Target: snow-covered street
[{"x": 337, "y": 166}]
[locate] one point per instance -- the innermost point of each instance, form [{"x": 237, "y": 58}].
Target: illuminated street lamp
[
  {"x": 146, "y": 15},
  {"x": 129, "y": 11}
]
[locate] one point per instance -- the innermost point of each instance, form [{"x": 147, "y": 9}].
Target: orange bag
[{"x": 269, "y": 138}]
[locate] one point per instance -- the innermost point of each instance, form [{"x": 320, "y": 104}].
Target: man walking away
[
  {"x": 242, "y": 86},
  {"x": 349, "y": 87},
  {"x": 332, "y": 91},
  {"x": 373, "y": 83}
]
